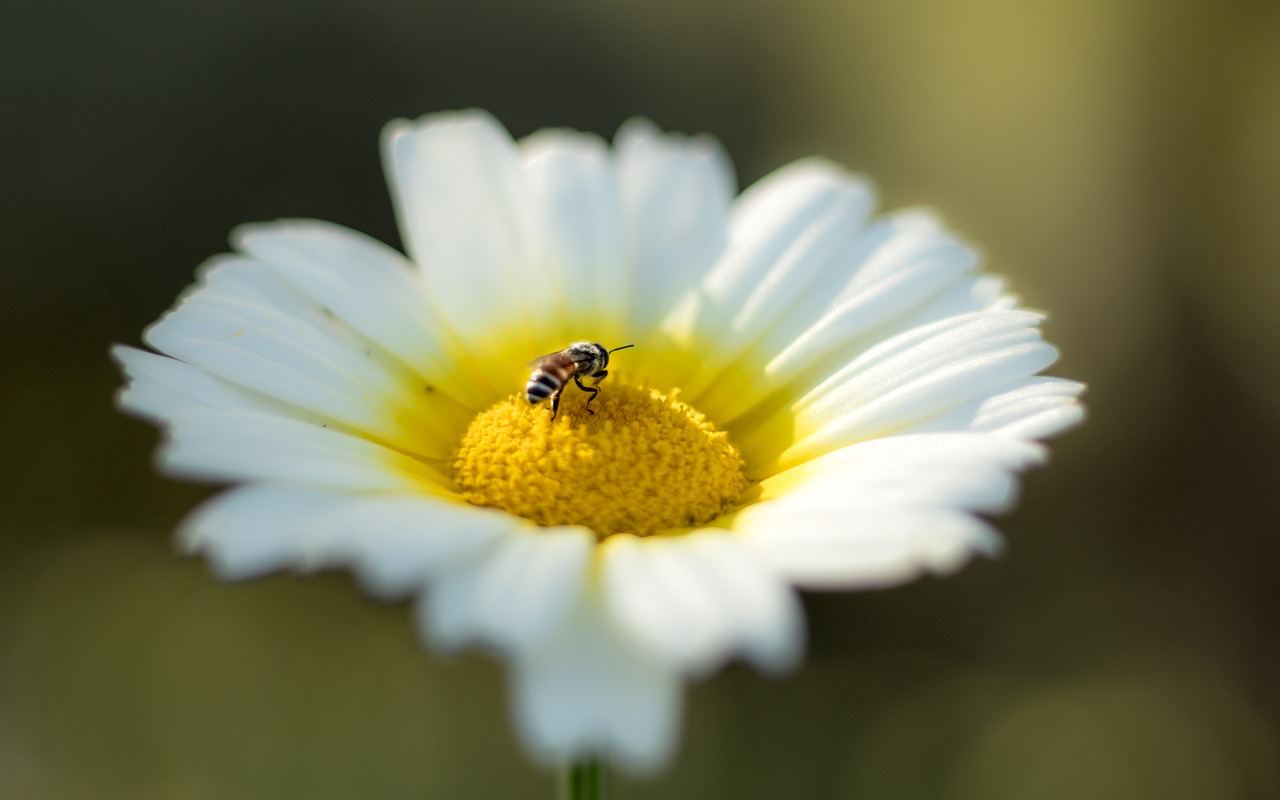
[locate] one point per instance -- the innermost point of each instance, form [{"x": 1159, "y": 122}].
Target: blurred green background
[{"x": 1119, "y": 160}]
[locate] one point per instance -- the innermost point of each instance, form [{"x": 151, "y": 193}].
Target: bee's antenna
[{"x": 624, "y": 347}]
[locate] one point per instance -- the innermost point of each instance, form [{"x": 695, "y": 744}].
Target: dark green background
[{"x": 1118, "y": 161}]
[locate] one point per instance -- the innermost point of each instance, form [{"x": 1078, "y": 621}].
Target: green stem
[{"x": 584, "y": 780}]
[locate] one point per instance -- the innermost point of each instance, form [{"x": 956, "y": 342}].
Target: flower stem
[{"x": 584, "y": 780}]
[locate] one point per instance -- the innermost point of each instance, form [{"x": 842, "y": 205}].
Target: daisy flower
[{"x": 817, "y": 398}]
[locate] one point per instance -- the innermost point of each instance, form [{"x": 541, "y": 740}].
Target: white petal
[
  {"x": 973, "y": 293},
  {"x": 675, "y": 199},
  {"x": 395, "y": 542},
  {"x": 1032, "y": 409},
  {"x": 248, "y": 532},
  {"x": 785, "y": 232},
  {"x": 659, "y": 599},
  {"x": 907, "y": 269},
  {"x": 239, "y": 445},
  {"x": 841, "y": 548},
  {"x": 917, "y": 375},
  {"x": 972, "y": 471},
  {"x": 366, "y": 284},
  {"x": 513, "y": 597},
  {"x": 889, "y": 273},
  {"x": 576, "y": 233},
  {"x": 243, "y": 324},
  {"x": 586, "y": 691},
  {"x": 460, "y": 198},
  {"x": 883, "y": 511},
  {"x": 159, "y": 387},
  {"x": 697, "y": 599}
]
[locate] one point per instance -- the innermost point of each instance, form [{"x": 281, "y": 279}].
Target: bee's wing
[{"x": 540, "y": 359}]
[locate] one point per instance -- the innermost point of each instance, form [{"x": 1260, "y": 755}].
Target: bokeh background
[{"x": 1119, "y": 160}]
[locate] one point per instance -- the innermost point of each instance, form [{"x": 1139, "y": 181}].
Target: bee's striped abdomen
[{"x": 543, "y": 383}]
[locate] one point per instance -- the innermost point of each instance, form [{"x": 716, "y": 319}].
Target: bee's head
[{"x": 602, "y": 355}]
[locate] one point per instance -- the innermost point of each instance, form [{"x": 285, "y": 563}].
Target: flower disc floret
[{"x": 644, "y": 462}]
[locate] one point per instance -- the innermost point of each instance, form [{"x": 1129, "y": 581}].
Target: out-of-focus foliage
[{"x": 1118, "y": 160}]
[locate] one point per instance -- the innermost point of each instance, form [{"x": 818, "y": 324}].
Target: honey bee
[{"x": 552, "y": 372}]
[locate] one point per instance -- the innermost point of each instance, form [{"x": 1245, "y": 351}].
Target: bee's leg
[
  {"x": 555, "y": 402},
  {"x": 599, "y": 376},
  {"x": 594, "y": 391}
]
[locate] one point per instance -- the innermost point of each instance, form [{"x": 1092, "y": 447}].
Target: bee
[{"x": 552, "y": 372}]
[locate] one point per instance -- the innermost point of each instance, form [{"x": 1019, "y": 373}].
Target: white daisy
[{"x": 818, "y": 398}]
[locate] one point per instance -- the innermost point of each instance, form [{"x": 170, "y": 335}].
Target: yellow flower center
[{"x": 644, "y": 462}]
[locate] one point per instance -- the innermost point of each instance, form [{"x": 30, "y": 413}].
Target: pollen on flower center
[{"x": 644, "y": 462}]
